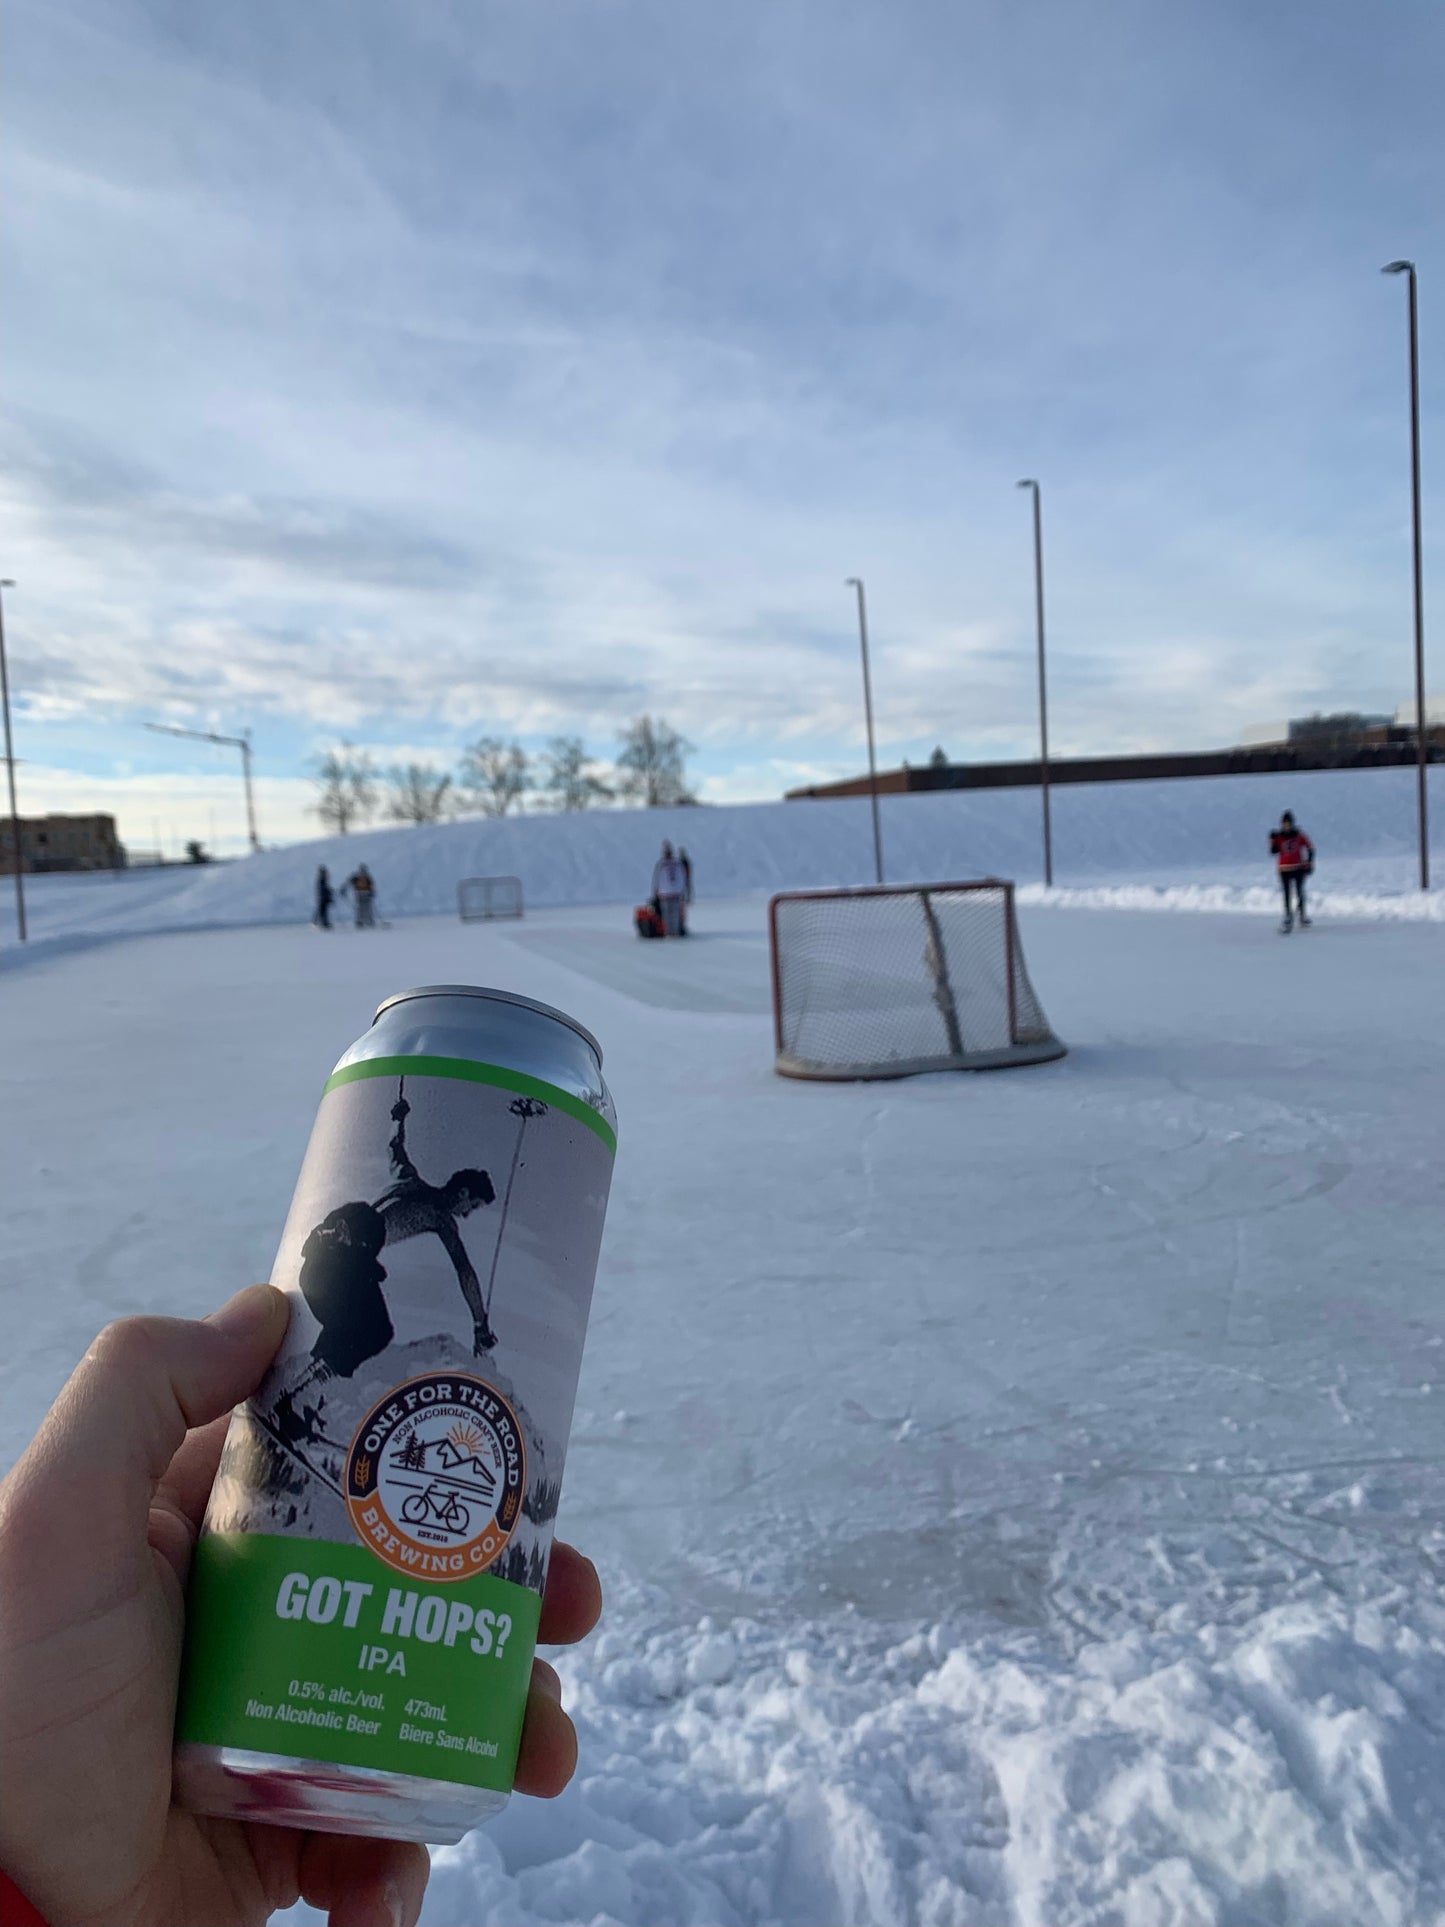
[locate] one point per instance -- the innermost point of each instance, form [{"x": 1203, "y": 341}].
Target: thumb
[{"x": 116, "y": 1426}]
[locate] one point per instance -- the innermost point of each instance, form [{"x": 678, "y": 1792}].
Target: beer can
[{"x": 366, "y": 1589}]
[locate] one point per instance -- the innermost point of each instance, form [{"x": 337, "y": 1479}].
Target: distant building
[
  {"x": 61, "y": 843},
  {"x": 1348, "y": 726},
  {"x": 1343, "y": 726}
]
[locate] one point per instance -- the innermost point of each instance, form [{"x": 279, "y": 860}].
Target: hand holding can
[
  {"x": 368, "y": 1586},
  {"x": 90, "y": 1644}
]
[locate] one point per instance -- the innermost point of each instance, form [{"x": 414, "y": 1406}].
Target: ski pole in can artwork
[{"x": 367, "y": 1586}]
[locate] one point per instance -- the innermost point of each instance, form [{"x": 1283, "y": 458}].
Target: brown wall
[
  {"x": 61, "y": 843},
  {"x": 1258, "y": 760}
]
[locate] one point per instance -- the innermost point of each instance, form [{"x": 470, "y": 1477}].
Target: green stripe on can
[{"x": 466, "y": 1071}]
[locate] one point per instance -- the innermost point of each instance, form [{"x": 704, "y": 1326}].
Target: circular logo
[{"x": 436, "y": 1475}]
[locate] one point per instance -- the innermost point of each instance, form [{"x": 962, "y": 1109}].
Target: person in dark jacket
[
  {"x": 1295, "y": 855},
  {"x": 325, "y": 897},
  {"x": 360, "y": 886}
]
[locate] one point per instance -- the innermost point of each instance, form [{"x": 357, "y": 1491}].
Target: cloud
[{"x": 413, "y": 372}]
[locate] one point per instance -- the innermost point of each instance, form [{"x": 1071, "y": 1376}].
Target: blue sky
[{"x": 406, "y": 370}]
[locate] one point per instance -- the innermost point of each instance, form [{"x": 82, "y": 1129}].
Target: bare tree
[
  {"x": 652, "y": 765},
  {"x": 494, "y": 776},
  {"x": 568, "y": 776},
  {"x": 346, "y": 778},
  {"x": 418, "y": 793}
]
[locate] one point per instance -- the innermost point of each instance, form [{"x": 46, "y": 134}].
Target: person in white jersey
[{"x": 669, "y": 886}]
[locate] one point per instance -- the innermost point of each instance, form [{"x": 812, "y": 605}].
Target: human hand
[{"x": 97, "y": 1524}]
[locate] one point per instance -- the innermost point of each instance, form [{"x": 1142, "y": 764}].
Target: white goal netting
[
  {"x": 891, "y": 981},
  {"x": 481, "y": 898}
]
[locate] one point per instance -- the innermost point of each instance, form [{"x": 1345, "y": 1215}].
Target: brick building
[{"x": 61, "y": 843}]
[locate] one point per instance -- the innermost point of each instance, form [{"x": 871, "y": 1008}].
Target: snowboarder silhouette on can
[
  {"x": 410, "y": 1207},
  {"x": 1295, "y": 855},
  {"x": 341, "y": 1272}
]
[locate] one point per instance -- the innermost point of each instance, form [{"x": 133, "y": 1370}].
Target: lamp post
[
  {"x": 1407, "y": 268},
  {"x": 1043, "y": 679},
  {"x": 17, "y": 850},
  {"x": 242, "y": 743},
  {"x": 856, "y": 582}
]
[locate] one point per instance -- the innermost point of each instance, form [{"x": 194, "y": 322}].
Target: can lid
[{"x": 493, "y": 996}]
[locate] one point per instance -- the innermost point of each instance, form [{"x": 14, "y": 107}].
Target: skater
[
  {"x": 686, "y": 861},
  {"x": 362, "y": 890},
  {"x": 1295, "y": 855},
  {"x": 325, "y": 897},
  {"x": 669, "y": 888},
  {"x": 90, "y": 1652}
]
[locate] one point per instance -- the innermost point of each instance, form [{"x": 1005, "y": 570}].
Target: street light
[
  {"x": 1407, "y": 268},
  {"x": 856, "y": 582},
  {"x": 7, "y": 582},
  {"x": 1043, "y": 680},
  {"x": 242, "y": 743}
]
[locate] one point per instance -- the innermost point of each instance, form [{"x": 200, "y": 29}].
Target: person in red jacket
[{"x": 1295, "y": 855}]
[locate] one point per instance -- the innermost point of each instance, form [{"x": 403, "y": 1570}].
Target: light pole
[
  {"x": 242, "y": 743},
  {"x": 856, "y": 582},
  {"x": 6, "y": 582},
  {"x": 1407, "y": 268},
  {"x": 1043, "y": 679}
]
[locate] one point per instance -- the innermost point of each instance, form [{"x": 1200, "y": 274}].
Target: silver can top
[{"x": 492, "y": 996}]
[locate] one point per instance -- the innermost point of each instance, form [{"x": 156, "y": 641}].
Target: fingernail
[
  {"x": 546, "y": 1680},
  {"x": 378, "y": 1907},
  {"x": 249, "y": 1313}
]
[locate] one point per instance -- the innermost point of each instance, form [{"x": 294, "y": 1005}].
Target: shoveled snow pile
[{"x": 1196, "y": 844}]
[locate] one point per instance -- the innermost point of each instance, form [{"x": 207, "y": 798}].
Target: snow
[
  {"x": 1195, "y": 844},
  {"x": 1018, "y": 1495}
]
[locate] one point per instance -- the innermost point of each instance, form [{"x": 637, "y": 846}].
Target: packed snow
[
  {"x": 1019, "y": 1496},
  {"x": 1194, "y": 844}
]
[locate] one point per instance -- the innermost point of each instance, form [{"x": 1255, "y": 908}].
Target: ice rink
[{"x": 1021, "y": 1496}]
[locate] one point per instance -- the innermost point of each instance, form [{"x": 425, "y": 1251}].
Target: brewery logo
[{"x": 435, "y": 1476}]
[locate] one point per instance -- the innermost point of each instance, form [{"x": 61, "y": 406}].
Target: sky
[{"x": 401, "y": 371}]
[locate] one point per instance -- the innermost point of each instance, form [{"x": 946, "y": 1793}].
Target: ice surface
[{"x": 1019, "y": 1496}]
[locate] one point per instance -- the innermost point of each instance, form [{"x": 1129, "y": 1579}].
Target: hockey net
[
  {"x": 482, "y": 898},
  {"x": 891, "y": 981}
]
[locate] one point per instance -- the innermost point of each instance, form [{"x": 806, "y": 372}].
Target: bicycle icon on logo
[{"x": 436, "y": 1505}]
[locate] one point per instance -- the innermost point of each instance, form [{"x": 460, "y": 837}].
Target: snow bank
[
  {"x": 1196, "y": 844},
  {"x": 1204, "y": 1777},
  {"x": 1251, "y": 900}
]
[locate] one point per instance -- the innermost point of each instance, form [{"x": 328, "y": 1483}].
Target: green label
[{"x": 320, "y": 1651}]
